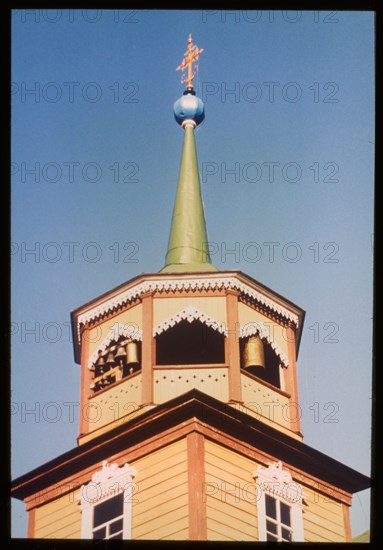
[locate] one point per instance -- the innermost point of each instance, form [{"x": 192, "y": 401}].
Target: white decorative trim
[
  {"x": 129, "y": 330},
  {"x": 160, "y": 285},
  {"x": 106, "y": 483},
  {"x": 252, "y": 329},
  {"x": 279, "y": 484},
  {"x": 190, "y": 314}
]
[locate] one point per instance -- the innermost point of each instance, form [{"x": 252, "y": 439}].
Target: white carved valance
[
  {"x": 190, "y": 314},
  {"x": 174, "y": 285}
]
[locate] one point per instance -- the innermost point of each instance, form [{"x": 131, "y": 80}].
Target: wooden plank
[
  {"x": 155, "y": 531},
  {"x": 314, "y": 522},
  {"x": 347, "y": 525},
  {"x": 229, "y": 531},
  {"x": 31, "y": 524},
  {"x": 165, "y": 485},
  {"x": 232, "y": 348},
  {"x": 67, "y": 514},
  {"x": 147, "y": 349},
  {"x": 245, "y": 524},
  {"x": 216, "y": 535},
  {"x": 176, "y": 474},
  {"x": 242, "y": 511},
  {"x": 196, "y": 478},
  {"x": 320, "y": 535},
  {"x": 159, "y": 499},
  {"x": 58, "y": 530},
  {"x": 160, "y": 508},
  {"x": 225, "y": 453},
  {"x": 154, "y": 469}
]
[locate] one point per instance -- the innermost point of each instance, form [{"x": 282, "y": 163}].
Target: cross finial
[{"x": 191, "y": 56}]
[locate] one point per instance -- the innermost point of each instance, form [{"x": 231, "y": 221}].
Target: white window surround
[
  {"x": 106, "y": 483},
  {"x": 279, "y": 484}
]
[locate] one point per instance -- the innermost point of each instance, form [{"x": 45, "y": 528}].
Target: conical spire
[{"x": 188, "y": 243}]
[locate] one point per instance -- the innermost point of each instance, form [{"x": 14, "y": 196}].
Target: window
[
  {"x": 278, "y": 520},
  {"x": 108, "y": 518},
  {"x": 280, "y": 501},
  {"x": 106, "y": 503}
]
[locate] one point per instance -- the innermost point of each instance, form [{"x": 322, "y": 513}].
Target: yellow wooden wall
[
  {"x": 114, "y": 403},
  {"x": 161, "y": 511},
  {"x": 169, "y": 383},
  {"x": 59, "y": 519},
  {"x": 322, "y": 518},
  {"x": 231, "y": 511},
  {"x": 259, "y": 400}
]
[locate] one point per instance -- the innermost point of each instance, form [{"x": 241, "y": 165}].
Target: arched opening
[
  {"x": 190, "y": 344},
  {"x": 120, "y": 359},
  {"x": 270, "y": 372}
]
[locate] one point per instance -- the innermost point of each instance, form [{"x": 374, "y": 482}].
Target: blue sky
[{"x": 286, "y": 157}]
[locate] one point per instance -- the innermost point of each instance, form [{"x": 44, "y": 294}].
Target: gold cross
[{"x": 191, "y": 56}]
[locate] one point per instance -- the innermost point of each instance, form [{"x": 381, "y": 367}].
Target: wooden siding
[
  {"x": 213, "y": 306},
  {"x": 259, "y": 401},
  {"x": 160, "y": 503},
  {"x": 232, "y": 508},
  {"x": 169, "y": 383},
  {"x": 323, "y": 518},
  {"x": 113, "y": 404},
  {"x": 59, "y": 519},
  {"x": 230, "y": 495}
]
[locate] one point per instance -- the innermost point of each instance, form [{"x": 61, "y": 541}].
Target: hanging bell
[
  {"x": 132, "y": 353},
  {"x": 110, "y": 359},
  {"x": 120, "y": 354},
  {"x": 253, "y": 353},
  {"x": 100, "y": 363}
]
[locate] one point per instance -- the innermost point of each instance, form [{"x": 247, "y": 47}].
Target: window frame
[
  {"x": 106, "y": 483},
  {"x": 279, "y": 484}
]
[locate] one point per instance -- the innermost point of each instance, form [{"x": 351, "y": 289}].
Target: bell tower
[{"x": 190, "y": 418}]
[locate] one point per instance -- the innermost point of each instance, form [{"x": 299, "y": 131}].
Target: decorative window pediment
[
  {"x": 110, "y": 488},
  {"x": 280, "y": 502}
]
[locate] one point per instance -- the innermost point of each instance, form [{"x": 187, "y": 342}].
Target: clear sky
[{"x": 286, "y": 157}]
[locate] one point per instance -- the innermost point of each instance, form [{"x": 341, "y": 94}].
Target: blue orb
[{"x": 189, "y": 107}]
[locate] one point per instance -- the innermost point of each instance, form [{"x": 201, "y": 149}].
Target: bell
[
  {"x": 120, "y": 353},
  {"x": 110, "y": 359},
  {"x": 100, "y": 361},
  {"x": 132, "y": 353},
  {"x": 253, "y": 354}
]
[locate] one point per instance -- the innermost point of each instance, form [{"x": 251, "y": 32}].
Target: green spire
[{"x": 187, "y": 247}]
